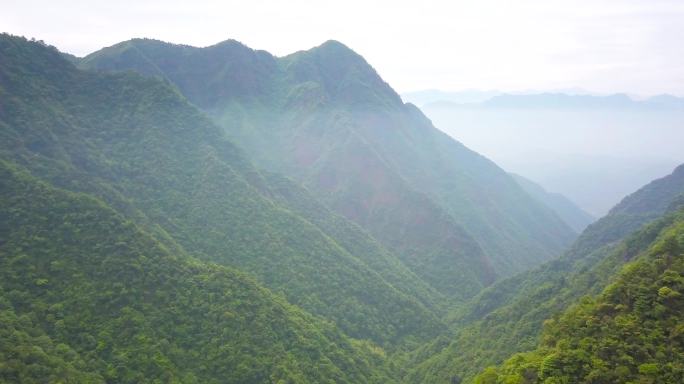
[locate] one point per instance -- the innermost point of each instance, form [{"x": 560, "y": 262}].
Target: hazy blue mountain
[
  {"x": 666, "y": 101},
  {"x": 559, "y": 100},
  {"x": 573, "y": 215},
  {"x": 430, "y": 96},
  {"x": 436, "y": 97},
  {"x": 552, "y": 100},
  {"x": 327, "y": 119}
]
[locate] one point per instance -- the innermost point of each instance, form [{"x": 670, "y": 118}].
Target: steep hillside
[
  {"x": 648, "y": 203},
  {"x": 573, "y": 215},
  {"x": 141, "y": 147},
  {"x": 354, "y": 239},
  {"x": 507, "y": 317},
  {"x": 655, "y": 199},
  {"x": 325, "y": 118},
  {"x": 632, "y": 332},
  {"x": 87, "y": 296}
]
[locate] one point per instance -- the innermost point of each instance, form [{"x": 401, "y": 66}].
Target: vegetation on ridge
[
  {"x": 325, "y": 118},
  {"x": 632, "y": 332},
  {"x": 87, "y": 295},
  {"x": 143, "y": 149}
]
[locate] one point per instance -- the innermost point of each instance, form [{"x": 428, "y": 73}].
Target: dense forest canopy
[{"x": 141, "y": 147}]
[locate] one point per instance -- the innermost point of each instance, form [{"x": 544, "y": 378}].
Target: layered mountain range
[
  {"x": 326, "y": 119},
  {"x": 140, "y": 147},
  {"x": 203, "y": 215}
]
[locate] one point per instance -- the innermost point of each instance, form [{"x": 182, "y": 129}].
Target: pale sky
[{"x": 601, "y": 46}]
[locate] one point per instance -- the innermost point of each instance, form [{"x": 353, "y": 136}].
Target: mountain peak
[
  {"x": 231, "y": 44},
  {"x": 335, "y": 50},
  {"x": 335, "y": 45},
  {"x": 139, "y": 42},
  {"x": 344, "y": 75},
  {"x": 330, "y": 50}
]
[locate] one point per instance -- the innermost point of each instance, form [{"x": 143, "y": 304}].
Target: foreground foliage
[
  {"x": 507, "y": 317},
  {"x": 633, "y": 332},
  {"x": 89, "y": 296}
]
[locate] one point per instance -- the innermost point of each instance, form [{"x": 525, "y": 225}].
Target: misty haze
[{"x": 593, "y": 149}]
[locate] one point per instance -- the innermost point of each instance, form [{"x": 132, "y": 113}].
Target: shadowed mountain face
[{"x": 325, "y": 118}]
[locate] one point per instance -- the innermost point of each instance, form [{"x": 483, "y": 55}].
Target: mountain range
[
  {"x": 561, "y": 98},
  {"x": 205, "y": 215},
  {"x": 325, "y": 118},
  {"x": 140, "y": 147}
]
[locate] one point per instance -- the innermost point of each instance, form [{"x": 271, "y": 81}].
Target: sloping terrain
[
  {"x": 143, "y": 149},
  {"x": 632, "y": 332},
  {"x": 507, "y": 317},
  {"x": 573, "y": 215},
  {"x": 325, "y": 118},
  {"x": 88, "y": 296}
]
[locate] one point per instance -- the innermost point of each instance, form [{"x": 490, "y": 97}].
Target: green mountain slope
[
  {"x": 354, "y": 239},
  {"x": 632, "y": 332},
  {"x": 656, "y": 198},
  {"x": 87, "y": 296},
  {"x": 325, "y": 118},
  {"x": 507, "y": 317},
  {"x": 573, "y": 215},
  {"x": 143, "y": 149}
]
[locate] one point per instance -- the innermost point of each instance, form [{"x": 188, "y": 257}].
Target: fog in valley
[{"x": 593, "y": 149}]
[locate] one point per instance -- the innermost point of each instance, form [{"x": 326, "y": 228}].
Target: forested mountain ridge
[
  {"x": 326, "y": 118},
  {"x": 142, "y": 148},
  {"x": 654, "y": 199},
  {"x": 355, "y": 240},
  {"x": 87, "y": 296},
  {"x": 507, "y": 317},
  {"x": 632, "y": 332},
  {"x": 438, "y": 250}
]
